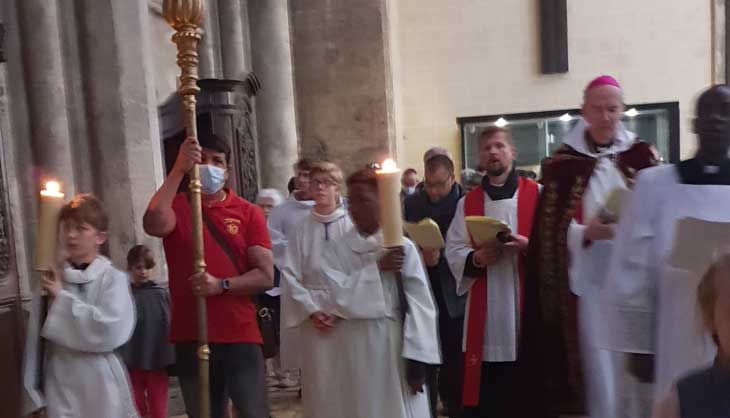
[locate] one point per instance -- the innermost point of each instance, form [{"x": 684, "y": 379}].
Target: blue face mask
[
  {"x": 410, "y": 190},
  {"x": 212, "y": 178}
]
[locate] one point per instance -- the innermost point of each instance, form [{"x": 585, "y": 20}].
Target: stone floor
[{"x": 285, "y": 403}]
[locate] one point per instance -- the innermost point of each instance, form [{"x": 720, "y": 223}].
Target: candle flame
[
  {"x": 53, "y": 189},
  {"x": 389, "y": 166}
]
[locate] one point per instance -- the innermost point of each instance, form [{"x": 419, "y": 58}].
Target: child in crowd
[
  {"x": 90, "y": 314},
  {"x": 706, "y": 393},
  {"x": 148, "y": 353}
]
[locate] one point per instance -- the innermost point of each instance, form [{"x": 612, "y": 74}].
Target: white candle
[
  {"x": 49, "y": 207},
  {"x": 391, "y": 220}
]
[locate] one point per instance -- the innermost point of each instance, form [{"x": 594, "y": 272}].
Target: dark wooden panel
[
  {"x": 10, "y": 361},
  {"x": 554, "y": 36}
]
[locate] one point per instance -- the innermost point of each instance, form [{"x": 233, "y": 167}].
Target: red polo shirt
[{"x": 231, "y": 319}]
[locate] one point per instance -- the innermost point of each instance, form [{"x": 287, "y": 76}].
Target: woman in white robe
[{"x": 90, "y": 317}]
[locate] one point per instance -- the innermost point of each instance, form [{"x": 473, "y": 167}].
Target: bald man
[{"x": 569, "y": 249}]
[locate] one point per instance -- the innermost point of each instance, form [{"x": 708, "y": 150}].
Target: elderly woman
[{"x": 470, "y": 179}]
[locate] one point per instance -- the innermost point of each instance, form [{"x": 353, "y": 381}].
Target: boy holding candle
[
  {"x": 371, "y": 349},
  {"x": 90, "y": 314}
]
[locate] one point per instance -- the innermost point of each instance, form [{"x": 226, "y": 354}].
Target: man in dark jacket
[{"x": 437, "y": 200}]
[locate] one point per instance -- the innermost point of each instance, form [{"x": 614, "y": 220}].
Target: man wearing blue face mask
[
  {"x": 408, "y": 181},
  {"x": 239, "y": 266}
]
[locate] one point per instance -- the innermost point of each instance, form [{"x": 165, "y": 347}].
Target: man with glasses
[{"x": 437, "y": 200}]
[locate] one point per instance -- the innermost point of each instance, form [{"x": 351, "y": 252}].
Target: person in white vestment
[
  {"x": 503, "y": 196},
  {"x": 600, "y": 135},
  {"x": 282, "y": 220},
  {"x": 91, "y": 314},
  {"x": 651, "y": 301},
  {"x": 300, "y": 264},
  {"x": 366, "y": 349}
]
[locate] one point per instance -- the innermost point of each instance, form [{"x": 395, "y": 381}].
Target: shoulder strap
[{"x": 222, "y": 242}]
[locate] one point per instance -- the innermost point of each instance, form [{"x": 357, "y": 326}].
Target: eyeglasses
[{"x": 317, "y": 183}]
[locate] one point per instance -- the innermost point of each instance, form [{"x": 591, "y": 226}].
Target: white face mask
[
  {"x": 212, "y": 178},
  {"x": 410, "y": 190}
]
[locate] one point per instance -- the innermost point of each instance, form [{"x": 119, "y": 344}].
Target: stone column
[
  {"x": 275, "y": 105},
  {"x": 343, "y": 80},
  {"x": 209, "y": 47},
  {"x": 122, "y": 115},
  {"x": 233, "y": 58},
  {"x": 46, "y": 91}
]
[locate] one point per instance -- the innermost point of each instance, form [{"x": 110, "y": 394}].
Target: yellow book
[
  {"x": 426, "y": 234},
  {"x": 484, "y": 229}
]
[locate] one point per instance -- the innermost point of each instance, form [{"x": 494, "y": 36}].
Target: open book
[
  {"x": 426, "y": 234},
  {"x": 698, "y": 243},
  {"x": 484, "y": 229}
]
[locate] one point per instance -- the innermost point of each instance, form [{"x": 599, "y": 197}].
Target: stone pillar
[
  {"x": 233, "y": 58},
  {"x": 46, "y": 91},
  {"x": 275, "y": 106},
  {"x": 122, "y": 116},
  {"x": 209, "y": 47},
  {"x": 343, "y": 80}
]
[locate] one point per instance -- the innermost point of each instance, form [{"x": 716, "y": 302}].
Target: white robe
[
  {"x": 357, "y": 369},
  {"x": 301, "y": 276},
  {"x": 603, "y": 369},
  {"x": 91, "y": 317},
  {"x": 500, "y": 336},
  {"x": 652, "y": 303},
  {"x": 283, "y": 220}
]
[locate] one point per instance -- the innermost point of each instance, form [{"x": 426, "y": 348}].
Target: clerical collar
[
  {"x": 594, "y": 147},
  {"x": 694, "y": 171},
  {"x": 81, "y": 266},
  {"x": 505, "y": 191}
]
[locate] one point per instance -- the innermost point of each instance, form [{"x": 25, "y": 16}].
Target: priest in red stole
[
  {"x": 563, "y": 369},
  {"x": 493, "y": 276}
]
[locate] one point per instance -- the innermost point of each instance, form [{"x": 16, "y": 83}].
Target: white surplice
[
  {"x": 500, "y": 336},
  {"x": 358, "y": 368},
  {"x": 283, "y": 220},
  {"x": 91, "y": 317},
  {"x": 603, "y": 369},
  {"x": 301, "y": 276},
  {"x": 653, "y": 303}
]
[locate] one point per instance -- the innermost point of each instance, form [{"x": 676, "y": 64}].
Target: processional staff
[{"x": 185, "y": 17}]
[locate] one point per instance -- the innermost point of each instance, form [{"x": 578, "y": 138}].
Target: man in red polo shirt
[{"x": 236, "y": 363}]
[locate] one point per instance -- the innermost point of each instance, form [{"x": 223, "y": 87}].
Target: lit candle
[
  {"x": 391, "y": 221},
  {"x": 47, "y": 238}
]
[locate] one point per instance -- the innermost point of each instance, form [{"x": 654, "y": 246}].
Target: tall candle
[
  {"x": 391, "y": 220},
  {"x": 49, "y": 207}
]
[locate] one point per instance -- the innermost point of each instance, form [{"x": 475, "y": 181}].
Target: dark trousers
[
  {"x": 495, "y": 391},
  {"x": 447, "y": 380},
  {"x": 237, "y": 371}
]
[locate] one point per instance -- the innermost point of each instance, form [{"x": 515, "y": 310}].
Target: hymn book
[
  {"x": 485, "y": 229},
  {"x": 426, "y": 234}
]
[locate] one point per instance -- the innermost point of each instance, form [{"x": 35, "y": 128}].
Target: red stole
[{"x": 527, "y": 196}]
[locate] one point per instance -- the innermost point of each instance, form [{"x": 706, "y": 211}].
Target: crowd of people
[{"x": 580, "y": 309}]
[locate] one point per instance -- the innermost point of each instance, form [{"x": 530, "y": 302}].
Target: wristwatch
[{"x": 225, "y": 285}]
